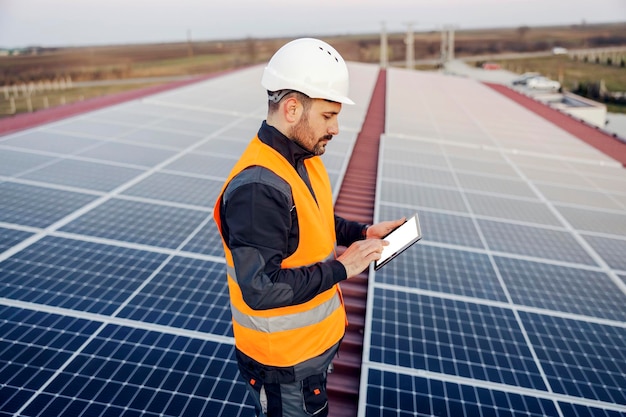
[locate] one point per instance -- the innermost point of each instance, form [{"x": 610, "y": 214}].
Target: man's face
[{"x": 317, "y": 126}]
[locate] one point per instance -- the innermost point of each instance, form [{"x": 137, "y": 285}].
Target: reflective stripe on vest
[
  {"x": 288, "y": 321},
  {"x": 289, "y": 335}
]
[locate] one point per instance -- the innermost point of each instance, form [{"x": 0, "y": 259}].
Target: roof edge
[
  {"x": 24, "y": 121},
  {"x": 608, "y": 143}
]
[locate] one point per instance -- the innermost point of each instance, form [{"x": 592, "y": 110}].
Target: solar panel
[
  {"x": 514, "y": 302},
  {"x": 30, "y": 205},
  {"x": 114, "y": 299},
  {"x": 64, "y": 365},
  {"x": 11, "y": 237},
  {"x": 390, "y": 392},
  {"x": 81, "y": 174}
]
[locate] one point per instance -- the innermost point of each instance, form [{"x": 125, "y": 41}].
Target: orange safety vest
[{"x": 287, "y": 336}]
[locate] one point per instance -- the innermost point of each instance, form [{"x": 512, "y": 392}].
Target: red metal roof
[{"x": 28, "y": 120}]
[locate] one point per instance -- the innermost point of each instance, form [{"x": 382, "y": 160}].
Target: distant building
[{"x": 579, "y": 107}]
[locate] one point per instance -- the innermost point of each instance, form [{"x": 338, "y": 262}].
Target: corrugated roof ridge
[{"x": 355, "y": 201}]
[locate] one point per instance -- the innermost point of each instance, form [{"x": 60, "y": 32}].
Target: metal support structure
[
  {"x": 410, "y": 47},
  {"x": 383, "y": 47},
  {"x": 447, "y": 43},
  {"x": 451, "y": 43},
  {"x": 443, "y": 50}
]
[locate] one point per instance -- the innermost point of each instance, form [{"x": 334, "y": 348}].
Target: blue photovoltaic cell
[
  {"x": 451, "y": 337},
  {"x": 187, "y": 293},
  {"x": 82, "y": 174},
  {"x": 51, "y": 142},
  {"x": 29, "y": 205},
  {"x": 561, "y": 288},
  {"x": 418, "y": 195},
  {"x": 77, "y": 275},
  {"x": 140, "y": 156},
  {"x": 92, "y": 128},
  {"x": 228, "y": 147},
  {"x": 443, "y": 270},
  {"x": 482, "y": 166},
  {"x": 334, "y": 178},
  {"x": 182, "y": 189},
  {"x": 580, "y": 358},
  {"x": 333, "y": 162},
  {"x": 592, "y": 221},
  {"x": 438, "y": 227},
  {"x": 512, "y": 209},
  {"x": 500, "y": 185},
  {"x": 396, "y": 394},
  {"x": 611, "y": 250},
  {"x": 138, "y": 222},
  {"x": 218, "y": 166},
  {"x": 130, "y": 372},
  {"x": 534, "y": 241},
  {"x": 393, "y": 170},
  {"x": 207, "y": 241},
  {"x": 201, "y": 125},
  {"x": 10, "y": 237},
  {"x": 13, "y": 163},
  {"x": 33, "y": 346},
  {"x": 167, "y": 138},
  {"x": 416, "y": 152},
  {"x": 577, "y": 410},
  {"x": 130, "y": 113}
]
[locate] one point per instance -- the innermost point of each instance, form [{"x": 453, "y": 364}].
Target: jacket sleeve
[
  {"x": 258, "y": 213},
  {"x": 349, "y": 231}
]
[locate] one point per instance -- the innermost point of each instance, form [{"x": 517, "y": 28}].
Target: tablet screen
[{"x": 400, "y": 239}]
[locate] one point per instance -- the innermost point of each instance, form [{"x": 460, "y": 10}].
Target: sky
[{"x": 114, "y": 22}]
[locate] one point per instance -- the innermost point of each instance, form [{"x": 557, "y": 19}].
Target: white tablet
[{"x": 399, "y": 240}]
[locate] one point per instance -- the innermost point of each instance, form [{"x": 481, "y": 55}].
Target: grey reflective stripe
[
  {"x": 290, "y": 321},
  {"x": 231, "y": 273}
]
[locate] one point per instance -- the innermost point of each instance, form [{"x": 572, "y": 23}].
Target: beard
[{"x": 302, "y": 135}]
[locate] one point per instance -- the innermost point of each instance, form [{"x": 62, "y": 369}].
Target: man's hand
[
  {"x": 382, "y": 229},
  {"x": 360, "y": 254}
]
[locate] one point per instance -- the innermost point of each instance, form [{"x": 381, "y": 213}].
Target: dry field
[{"x": 50, "y": 77}]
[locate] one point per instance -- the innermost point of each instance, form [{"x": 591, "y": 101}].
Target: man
[{"x": 275, "y": 215}]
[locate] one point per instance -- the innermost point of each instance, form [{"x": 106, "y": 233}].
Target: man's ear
[{"x": 291, "y": 109}]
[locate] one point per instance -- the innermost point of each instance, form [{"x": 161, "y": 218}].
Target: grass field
[
  {"x": 126, "y": 62},
  {"x": 52, "y": 98},
  {"x": 572, "y": 74}
]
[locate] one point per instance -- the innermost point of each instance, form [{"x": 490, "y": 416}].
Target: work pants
[{"x": 296, "y": 399}]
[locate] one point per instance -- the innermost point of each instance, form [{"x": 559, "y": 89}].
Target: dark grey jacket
[{"x": 260, "y": 226}]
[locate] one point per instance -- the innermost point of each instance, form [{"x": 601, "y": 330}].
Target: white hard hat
[{"x": 310, "y": 66}]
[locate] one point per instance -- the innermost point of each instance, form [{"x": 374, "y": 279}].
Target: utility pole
[
  {"x": 443, "y": 50},
  {"x": 189, "y": 44},
  {"x": 410, "y": 48},
  {"x": 383, "y": 47},
  {"x": 451, "y": 42},
  {"x": 447, "y": 43}
]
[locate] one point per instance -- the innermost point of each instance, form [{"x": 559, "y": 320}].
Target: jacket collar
[{"x": 290, "y": 150}]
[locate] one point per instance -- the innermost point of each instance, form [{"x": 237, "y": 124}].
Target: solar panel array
[
  {"x": 114, "y": 299},
  {"x": 514, "y": 302}
]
